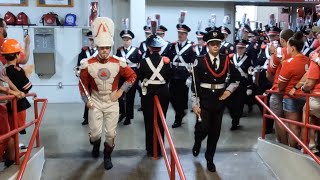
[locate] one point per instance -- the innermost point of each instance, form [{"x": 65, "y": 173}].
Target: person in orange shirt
[
  {"x": 291, "y": 72},
  {"x": 279, "y": 55},
  {"x": 313, "y": 84}
]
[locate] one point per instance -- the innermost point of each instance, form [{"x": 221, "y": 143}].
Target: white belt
[
  {"x": 133, "y": 65},
  {"x": 212, "y": 86},
  {"x": 179, "y": 64},
  {"x": 155, "y": 82}
]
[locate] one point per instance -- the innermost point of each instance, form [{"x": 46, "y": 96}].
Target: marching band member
[
  {"x": 210, "y": 74},
  {"x": 154, "y": 73},
  {"x": 87, "y": 52},
  {"x": 98, "y": 84},
  {"x": 132, "y": 55},
  {"x": 226, "y": 47},
  {"x": 309, "y": 40},
  {"x": 200, "y": 48},
  {"x": 181, "y": 55},
  {"x": 236, "y": 101},
  {"x": 161, "y": 31},
  {"x": 147, "y": 31}
]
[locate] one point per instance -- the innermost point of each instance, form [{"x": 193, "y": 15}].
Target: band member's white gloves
[
  {"x": 189, "y": 81},
  {"x": 249, "y": 92}
]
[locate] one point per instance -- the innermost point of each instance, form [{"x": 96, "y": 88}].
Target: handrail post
[
  {"x": 173, "y": 167},
  {"x": 175, "y": 162},
  {"x": 16, "y": 136},
  {"x": 155, "y": 124},
  {"x": 264, "y": 121},
  {"x": 36, "y": 116},
  {"x": 31, "y": 142},
  {"x": 306, "y": 122}
]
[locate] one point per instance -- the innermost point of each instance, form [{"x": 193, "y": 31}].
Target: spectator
[
  {"x": 313, "y": 84},
  {"x": 11, "y": 49},
  {"x": 291, "y": 72}
]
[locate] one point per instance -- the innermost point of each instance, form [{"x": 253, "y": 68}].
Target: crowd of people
[
  {"x": 220, "y": 75},
  {"x": 13, "y": 81}
]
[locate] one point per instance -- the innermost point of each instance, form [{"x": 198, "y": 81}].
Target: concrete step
[
  {"x": 33, "y": 169},
  {"x": 288, "y": 163},
  {"x": 135, "y": 166}
]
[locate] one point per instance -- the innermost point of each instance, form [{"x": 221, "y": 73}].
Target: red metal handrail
[
  {"x": 263, "y": 101},
  {"x": 35, "y": 135},
  {"x": 16, "y": 130},
  {"x": 175, "y": 161}
]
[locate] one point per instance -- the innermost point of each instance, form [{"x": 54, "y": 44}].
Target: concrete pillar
[
  {"x": 137, "y": 19},
  {"x": 293, "y": 14}
]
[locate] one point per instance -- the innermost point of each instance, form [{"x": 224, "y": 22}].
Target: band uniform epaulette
[
  {"x": 231, "y": 55},
  {"x": 119, "y": 48},
  {"x": 174, "y": 43},
  {"x": 263, "y": 46},
  {"x": 122, "y": 61},
  {"x": 84, "y": 63},
  {"x": 166, "y": 60}
]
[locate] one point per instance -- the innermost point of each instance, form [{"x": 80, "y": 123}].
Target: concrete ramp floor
[{"x": 136, "y": 166}]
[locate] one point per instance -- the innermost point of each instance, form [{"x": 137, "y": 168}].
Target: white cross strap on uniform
[
  {"x": 306, "y": 50},
  {"x": 267, "y": 52},
  {"x": 88, "y": 53},
  {"x": 307, "y": 47},
  {"x": 178, "y": 56},
  {"x": 163, "y": 48},
  {"x": 126, "y": 56},
  {"x": 197, "y": 51},
  {"x": 224, "y": 43},
  {"x": 156, "y": 73},
  {"x": 265, "y": 65},
  {"x": 238, "y": 65},
  {"x": 144, "y": 47},
  {"x": 93, "y": 55}
]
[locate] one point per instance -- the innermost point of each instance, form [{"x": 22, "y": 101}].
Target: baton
[
  {"x": 76, "y": 70},
  {"x": 195, "y": 89}
]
